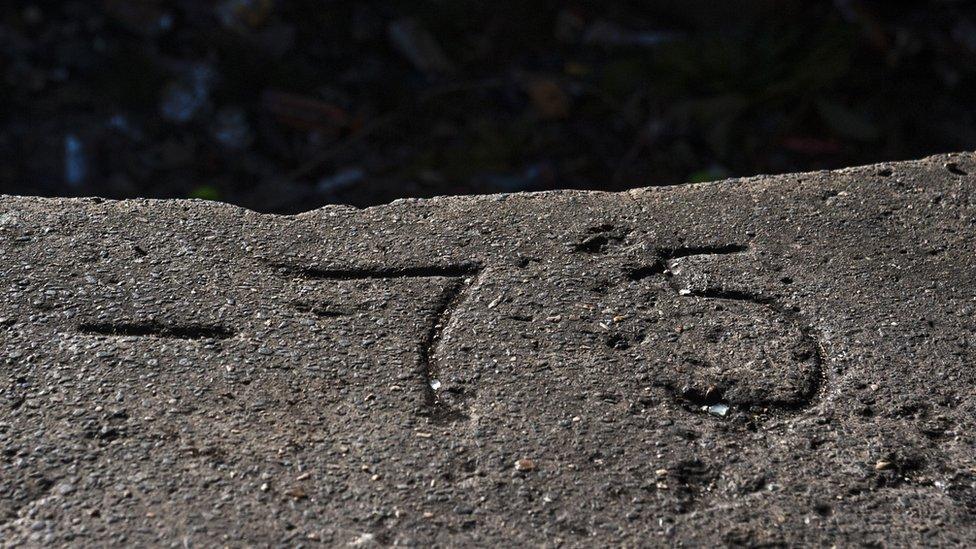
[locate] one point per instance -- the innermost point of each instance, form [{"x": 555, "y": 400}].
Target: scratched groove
[
  {"x": 461, "y": 278},
  {"x": 361, "y": 273},
  {"x": 152, "y": 329},
  {"x": 806, "y": 350}
]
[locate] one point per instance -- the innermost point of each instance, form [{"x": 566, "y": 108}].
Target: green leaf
[{"x": 206, "y": 192}]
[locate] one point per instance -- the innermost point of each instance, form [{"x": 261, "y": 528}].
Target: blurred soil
[{"x": 283, "y": 106}]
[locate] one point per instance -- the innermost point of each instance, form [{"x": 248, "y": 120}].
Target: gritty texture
[{"x": 767, "y": 361}]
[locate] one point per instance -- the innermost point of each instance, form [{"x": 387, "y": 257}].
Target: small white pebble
[{"x": 718, "y": 409}]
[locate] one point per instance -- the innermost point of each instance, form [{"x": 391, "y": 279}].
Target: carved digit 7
[{"x": 453, "y": 295}]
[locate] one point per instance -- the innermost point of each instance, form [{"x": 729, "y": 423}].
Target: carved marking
[
  {"x": 152, "y": 329},
  {"x": 599, "y": 239},
  {"x": 719, "y": 353},
  {"x": 462, "y": 270},
  {"x": 687, "y": 251},
  {"x": 809, "y": 342},
  {"x": 450, "y": 299},
  {"x": 758, "y": 356},
  {"x": 640, "y": 273},
  {"x": 661, "y": 262}
]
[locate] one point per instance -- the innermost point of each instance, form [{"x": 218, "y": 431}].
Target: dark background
[{"x": 285, "y": 105}]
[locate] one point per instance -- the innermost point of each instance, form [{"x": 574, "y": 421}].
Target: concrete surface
[{"x": 772, "y": 360}]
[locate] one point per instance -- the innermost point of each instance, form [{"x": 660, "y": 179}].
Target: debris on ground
[{"x": 251, "y": 99}]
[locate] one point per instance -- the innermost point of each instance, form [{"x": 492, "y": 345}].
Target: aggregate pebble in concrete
[{"x": 773, "y": 360}]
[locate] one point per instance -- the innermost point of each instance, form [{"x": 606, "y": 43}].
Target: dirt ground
[{"x": 285, "y": 105}]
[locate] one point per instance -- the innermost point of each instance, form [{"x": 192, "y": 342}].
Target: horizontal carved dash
[
  {"x": 732, "y": 295},
  {"x": 152, "y": 329},
  {"x": 686, "y": 251},
  {"x": 460, "y": 270}
]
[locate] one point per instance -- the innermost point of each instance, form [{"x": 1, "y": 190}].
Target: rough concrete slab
[{"x": 774, "y": 360}]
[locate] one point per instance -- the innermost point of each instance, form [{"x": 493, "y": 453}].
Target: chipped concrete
[{"x": 773, "y": 360}]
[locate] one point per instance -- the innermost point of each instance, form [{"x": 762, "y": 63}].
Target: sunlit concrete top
[{"x": 779, "y": 359}]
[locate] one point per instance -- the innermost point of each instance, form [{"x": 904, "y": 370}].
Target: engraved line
[
  {"x": 450, "y": 299},
  {"x": 354, "y": 273},
  {"x": 152, "y": 329}
]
